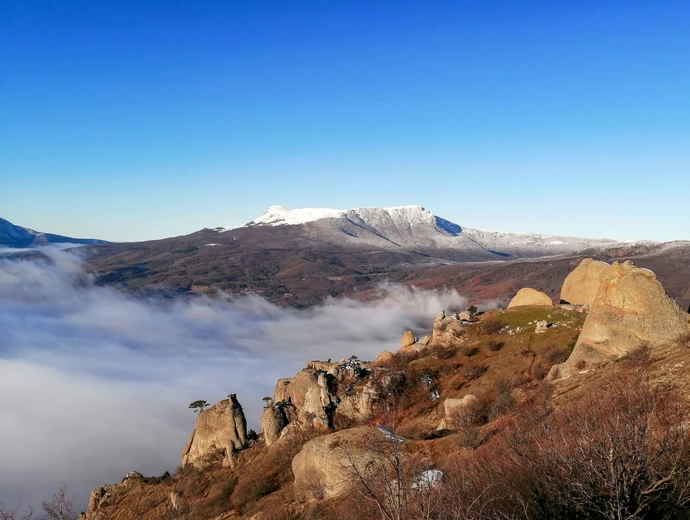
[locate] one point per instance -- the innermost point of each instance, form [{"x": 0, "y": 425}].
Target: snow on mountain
[
  {"x": 19, "y": 237},
  {"x": 416, "y": 229}
]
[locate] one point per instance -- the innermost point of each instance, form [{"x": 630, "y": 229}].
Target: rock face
[
  {"x": 316, "y": 394},
  {"x": 630, "y": 309},
  {"x": 528, "y": 296},
  {"x": 324, "y": 467},
  {"x": 222, "y": 429},
  {"x": 581, "y": 285},
  {"x": 407, "y": 339}
]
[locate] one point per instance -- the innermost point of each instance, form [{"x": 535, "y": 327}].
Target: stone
[
  {"x": 528, "y": 296},
  {"x": 407, "y": 339},
  {"x": 541, "y": 326},
  {"x": 220, "y": 429},
  {"x": 631, "y": 309},
  {"x": 324, "y": 468},
  {"x": 464, "y": 315},
  {"x": 581, "y": 285},
  {"x": 453, "y": 407},
  {"x": 273, "y": 420},
  {"x": 384, "y": 358}
]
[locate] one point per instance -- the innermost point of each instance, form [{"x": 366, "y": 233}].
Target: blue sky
[{"x": 136, "y": 120}]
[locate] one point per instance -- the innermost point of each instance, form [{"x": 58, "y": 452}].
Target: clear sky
[{"x": 140, "y": 119}]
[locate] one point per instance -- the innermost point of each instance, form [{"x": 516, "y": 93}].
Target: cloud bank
[{"x": 95, "y": 383}]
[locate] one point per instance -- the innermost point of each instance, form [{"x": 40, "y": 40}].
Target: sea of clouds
[{"x": 95, "y": 383}]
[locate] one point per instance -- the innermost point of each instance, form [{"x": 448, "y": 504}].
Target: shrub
[
  {"x": 469, "y": 437},
  {"x": 474, "y": 372},
  {"x": 470, "y": 351},
  {"x": 556, "y": 356},
  {"x": 495, "y": 346},
  {"x": 492, "y": 327},
  {"x": 447, "y": 353}
]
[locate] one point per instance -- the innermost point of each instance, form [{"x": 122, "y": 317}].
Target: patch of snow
[{"x": 210, "y": 245}]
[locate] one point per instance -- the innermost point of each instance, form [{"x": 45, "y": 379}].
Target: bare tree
[{"x": 60, "y": 507}]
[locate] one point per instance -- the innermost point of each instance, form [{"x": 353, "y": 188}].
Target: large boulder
[
  {"x": 326, "y": 465},
  {"x": 273, "y": 420},
  {"x": 221, "y": 429},
  {"x": 455, "y": 410},
  {"x": 528, "y": 296},
  {"x": 581, "y": 285},
  {"x": 631, "y": 309},
  {"x": 407, "y": 339}
]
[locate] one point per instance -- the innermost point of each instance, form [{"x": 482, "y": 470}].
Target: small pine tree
[
  {"x": 472, "y": 310},
  {"x": 198, "y": 406}
]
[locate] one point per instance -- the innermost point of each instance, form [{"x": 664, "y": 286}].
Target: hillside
[{"x": 512, "y": 414}]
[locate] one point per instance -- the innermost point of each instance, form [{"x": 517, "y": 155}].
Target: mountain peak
[{"x": 282, "y": 216}]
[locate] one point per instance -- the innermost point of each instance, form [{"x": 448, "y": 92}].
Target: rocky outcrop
[
  {"x": 407, "y": 339},
  {"x": 453, "y": 410},
  {"x": 528, "y": 296},
  {"x": 581, "y": 285},
  {"x": 325, "y": 466},
  {"x": 447, "y": 331},
  {"x": 104, "y": 496},
  {"x": 314, "y": 396},
  {"x": 219, "y": 430},
  {"x": 631, "y": 309}
]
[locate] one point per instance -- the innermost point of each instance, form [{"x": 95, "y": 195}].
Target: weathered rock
[
  {"x": 383, "y": 358},
  {"x": 447, "y": 331},
  {"x": 221, "y": 429},
  {"x": 359, "y": 406},
  {"x": 319, "y": 405},
  {"x": 464, "y": 315},
  {"x": 452, "y": 408},
  {"x": 104, "y": 496},
  {"x": 630, "y": 309},
  {"x": 324, "y": 467},
  {"x": 325, "y": 366},
  {"x": 425, "y": 341},
  {"x": 581, "y": 285},
  {"x": 273, "y": 420},
  {"x": 541, "y": 326},
  {"x": 407, "y": 339},
  {"x": 528, "y": 296}
]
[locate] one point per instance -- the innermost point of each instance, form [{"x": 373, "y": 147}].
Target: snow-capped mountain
[
  {"x": 17, "y": 236},
  {"x": 416, "y": 229}
]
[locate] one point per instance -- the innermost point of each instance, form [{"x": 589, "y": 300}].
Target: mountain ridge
[{"x": 15, "y": 236}]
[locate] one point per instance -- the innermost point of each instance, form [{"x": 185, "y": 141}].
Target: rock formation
[
  {"x": 407, "y": 339},
  {"x": 528, "y": 296},
  {"x": 452, "y": 408},
  {"x": 324, "y": 468},
  {"x": 581, "y": 285},
  {"x": 631, "y": 309},
  {"x": 273, "y": 420},
  {"x": 447, "y": 331},
  {"x": 221, "y": 429},
  {"x": 314, "y": 395}
]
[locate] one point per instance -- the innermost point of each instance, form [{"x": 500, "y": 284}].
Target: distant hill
[
  {"x": 17, "y": 236},
  {"x": 298, "y": 257}
]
